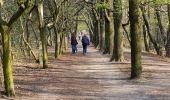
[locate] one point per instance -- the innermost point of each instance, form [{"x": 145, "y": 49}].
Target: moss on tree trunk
[
  {"x": 42, "y": 34},
  {"x": 5, "y": 28},
  {"x": 117, "y": 54},
  {"x": 44, "y": 47},
  {"x": 61, "y": 49},
  {"x": 7, "y": 62},
  {"x": 135, "y": 26},
  {"x": 109, "y": 28}
]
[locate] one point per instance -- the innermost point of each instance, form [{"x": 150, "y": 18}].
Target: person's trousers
[
  {"x": 74, "y": 48},
  {"x": 84, "y": 49}
]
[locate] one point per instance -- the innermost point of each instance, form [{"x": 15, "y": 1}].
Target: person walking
[
  {"x": 85, "y": 43},
  {"x": 74, "y": 43}
]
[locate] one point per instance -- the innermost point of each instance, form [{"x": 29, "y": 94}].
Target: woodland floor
[{"x": 91, "y": 77}]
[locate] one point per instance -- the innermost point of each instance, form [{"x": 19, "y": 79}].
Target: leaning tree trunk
[
  {"x": 117, "y": 54},
  {"x": 161, "y": 27},
  {"x": 135, "y": 27},
  {"x": 26, "y": 42},
  {"x": 126, "y": 31},
  {"x": 157, "y": 48},
  {"x": 142, "y": 7},
  {"x": 36, "y": 37},
  {"x": 42, "y": 34}
]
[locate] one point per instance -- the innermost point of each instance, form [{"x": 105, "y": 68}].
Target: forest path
[{"x": 91, "y": 77}]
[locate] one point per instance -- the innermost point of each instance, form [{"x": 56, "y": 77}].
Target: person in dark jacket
[
  {"x": 85, "y": 43},
  {"x": 74, "y": 43}
]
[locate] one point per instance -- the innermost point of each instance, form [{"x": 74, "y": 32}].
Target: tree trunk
[
  {"x": 157, "y": 48},
  {"x": 145, "y": 38},
  {"x": 76, "y": 22},
  {"x": 107, "y": 42},
  {"x": 36, "y": 37},
  {"x": 111, "y": 35},
  {"x": 102, "y": 30},
  {"x": 126, "y": 32},
  {"x": 28, "y": 36},
  {"x": 56, "y": 43},
  {"x": 5, "y": 28},
  {"x": 117, "y": 54},
  {"x": 96, "y": 26},
  {"x": 91, "y": 31},
  {"x": 96, "y": 30},
  {"x": 97, "y": 33},
  {"x": 44, "y": 48},
  {"x": 89, "y": 25},
  {"x": 7, "y": 62},
  {"x": 26, "y": 42},
  {"x": 49, "y": 38},
  {"x": 65, "y": 42},
  {"x": 168, "y": 34},
  {"x": 109, "y": 29},
  {"x": 134, "y": 15},
  {"x": 61, "y": 49},
  {"x": 42, "y": 34},
  {"x": 22, "y": 46},
  {"x": 161, "y": 27}
]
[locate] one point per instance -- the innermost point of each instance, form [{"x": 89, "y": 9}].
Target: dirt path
[{"x": 91, "y": 77}]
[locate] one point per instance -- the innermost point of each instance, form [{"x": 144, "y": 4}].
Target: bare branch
[{"x": 20, "y": 11}]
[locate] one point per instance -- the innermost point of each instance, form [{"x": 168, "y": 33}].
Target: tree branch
[{"x": 20, "y": 11}]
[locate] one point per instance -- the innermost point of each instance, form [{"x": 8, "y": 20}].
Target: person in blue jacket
[
  {"x": 74, "y": 43},
  {"x": 85, "y": 43}
]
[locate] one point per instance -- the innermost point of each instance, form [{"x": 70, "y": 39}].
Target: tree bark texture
[
  {"x": 109, "y": 29},
  {"x": 168, "y": 34},
  {"x": 134, "y": 15},
  {"x": 117, "y": 54},
  {"x": 7, "y": 61},
  {"x": 42, "y": 34}
]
